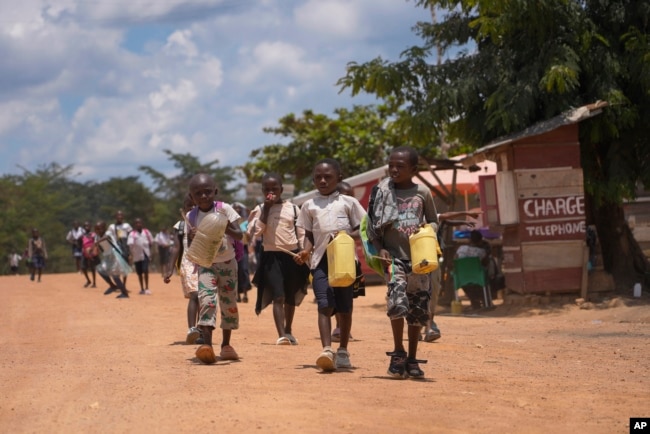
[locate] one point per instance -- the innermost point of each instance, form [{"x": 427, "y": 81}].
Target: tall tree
[
  {"x": 359, "y": 138},
  {"x": 171, "y": 190},
  {"x": 523, "y": 61}
]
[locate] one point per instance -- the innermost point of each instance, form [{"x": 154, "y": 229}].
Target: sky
[{"x": 107, "y": 85}]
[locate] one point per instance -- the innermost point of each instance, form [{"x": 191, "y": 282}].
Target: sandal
[
  {"x": 205, "y": 353},
  {"x": 283, "y": 341},
  {"x": 336, "y": 335},
  {"x": 413, "y": 368},
  {"x": 228, "y": 353},
  {"x": 397, "y": 366}
]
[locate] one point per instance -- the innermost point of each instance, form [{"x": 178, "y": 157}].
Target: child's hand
[
  {"x": 302, "y": 257},
  {"x": 385, "y": 257},
  {"x": 167, "y": 278}
]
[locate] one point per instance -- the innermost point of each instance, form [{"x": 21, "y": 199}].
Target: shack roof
[{"x": 569, "y": 117}]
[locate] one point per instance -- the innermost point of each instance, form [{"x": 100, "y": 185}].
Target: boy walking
[
  {"x": 322, "y": 218},
  {"x": 37, "y": 252},
  {"x": 221, "y": 277},
  {"x": 140, "y": 241},
  {"x": 397, "y": 209}
]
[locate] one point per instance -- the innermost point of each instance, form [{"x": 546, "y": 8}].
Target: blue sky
[{"x": 107, "y": 85}]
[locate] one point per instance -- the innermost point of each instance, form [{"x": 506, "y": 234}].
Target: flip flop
[{"x": 283, "y": 341}]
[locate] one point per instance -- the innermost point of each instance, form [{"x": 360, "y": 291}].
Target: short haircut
[
  {"x": 272, "y": 175},
  {"x": 202, "y": 177},
  {"x": 332, "y": 162},
  {"x": 414, "y": 157}
]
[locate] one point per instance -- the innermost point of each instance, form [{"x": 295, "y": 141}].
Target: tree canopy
[
  {"x": 359, "y": 138},
  {"x": 519, "y": 62},
  {"x": 50, "y": 199}
]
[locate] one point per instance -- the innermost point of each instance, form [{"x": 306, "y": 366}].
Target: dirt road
[{"x": 74, "y": 360}]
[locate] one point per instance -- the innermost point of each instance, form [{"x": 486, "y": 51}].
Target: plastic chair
[{"x": 469, "y": 271}]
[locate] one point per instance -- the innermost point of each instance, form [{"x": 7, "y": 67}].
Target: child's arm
[
  {"x": 234, "y": 231},
  {"x": 303, "y": 255},
  {"x": 178, "y": 250}
]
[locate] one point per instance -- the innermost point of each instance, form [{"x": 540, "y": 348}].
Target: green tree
[
  {"x": 49, "y": 199},
  {"x": 358, "y": 138},
  {"x": 171, "y": 191},
  {"x": 525, "y": 61}
]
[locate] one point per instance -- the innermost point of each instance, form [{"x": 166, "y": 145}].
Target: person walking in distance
[
  {"x": 140, "y": 242},
  {"x": 120, "y": 232},
  {"x": 74, "y": 239},
  {"x": 37, "y": 252}
]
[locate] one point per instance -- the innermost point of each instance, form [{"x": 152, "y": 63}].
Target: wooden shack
[{"x": 536, "y": 200}]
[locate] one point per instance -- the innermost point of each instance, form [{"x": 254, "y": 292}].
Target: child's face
[
  {"x": 272, "y": 186},
  {"x": 400, "y": 169},
  {"x": 100, "y": 229},
  {"x": 326, "y": 179},
  {"x": 203, "y": 193}
]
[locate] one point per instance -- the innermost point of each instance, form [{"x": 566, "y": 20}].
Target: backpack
[
  {"x": 237, "y": 244},
  {"x": 369, "y": 251},
  {"x": 88, "y": 245}
]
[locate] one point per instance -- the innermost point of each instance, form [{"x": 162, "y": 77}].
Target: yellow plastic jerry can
[
  {"x": 341, "y": 267},
  {"x": 424, "y": 250}
]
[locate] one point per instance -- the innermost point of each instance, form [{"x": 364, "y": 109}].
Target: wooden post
[{"x": 585, "y": 272}]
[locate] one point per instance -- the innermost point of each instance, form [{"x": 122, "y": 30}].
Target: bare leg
[
  {"x": 325, "y": 326},
  {"x": 226, "y": 337},
  {"x": 346, "y": 325},
  {"x": 192, "y": 309},
  {"x": 414, "y": 336},
  {"x": 279, "y": 315},
  {"x": 289, "y": 312},
  {"x": 397, "y": 326}
]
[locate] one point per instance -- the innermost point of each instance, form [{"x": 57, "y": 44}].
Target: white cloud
[
  {"x": 333, "y": 18},
  {"x": 76, "y": 89}
]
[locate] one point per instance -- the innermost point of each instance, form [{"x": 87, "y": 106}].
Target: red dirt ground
[{"x": 74, "y": 360}]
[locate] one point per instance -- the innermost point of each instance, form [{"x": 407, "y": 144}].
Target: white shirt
[
  {"x": 325, "y": 216},
  {"x": 140, "y": 244},
  {"x": 163, "y": 239}
]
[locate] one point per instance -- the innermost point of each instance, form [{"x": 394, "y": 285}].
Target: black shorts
[
  {"x": 142, "y": 267},
  {"x": 340, "y": 299}
]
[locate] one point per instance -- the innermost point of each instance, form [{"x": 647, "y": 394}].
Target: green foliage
[
  {"x": 172, "y": 190},
  {"x": 522, "y": 62},
  {"x": 359, "y": 138},
  {"x": 50, "y": 199}
]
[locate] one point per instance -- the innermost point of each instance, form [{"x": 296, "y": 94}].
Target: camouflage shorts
[{"x": 408, "y": 295}]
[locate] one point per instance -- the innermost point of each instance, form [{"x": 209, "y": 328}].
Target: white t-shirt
[{"x": 325, "y": 216}]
